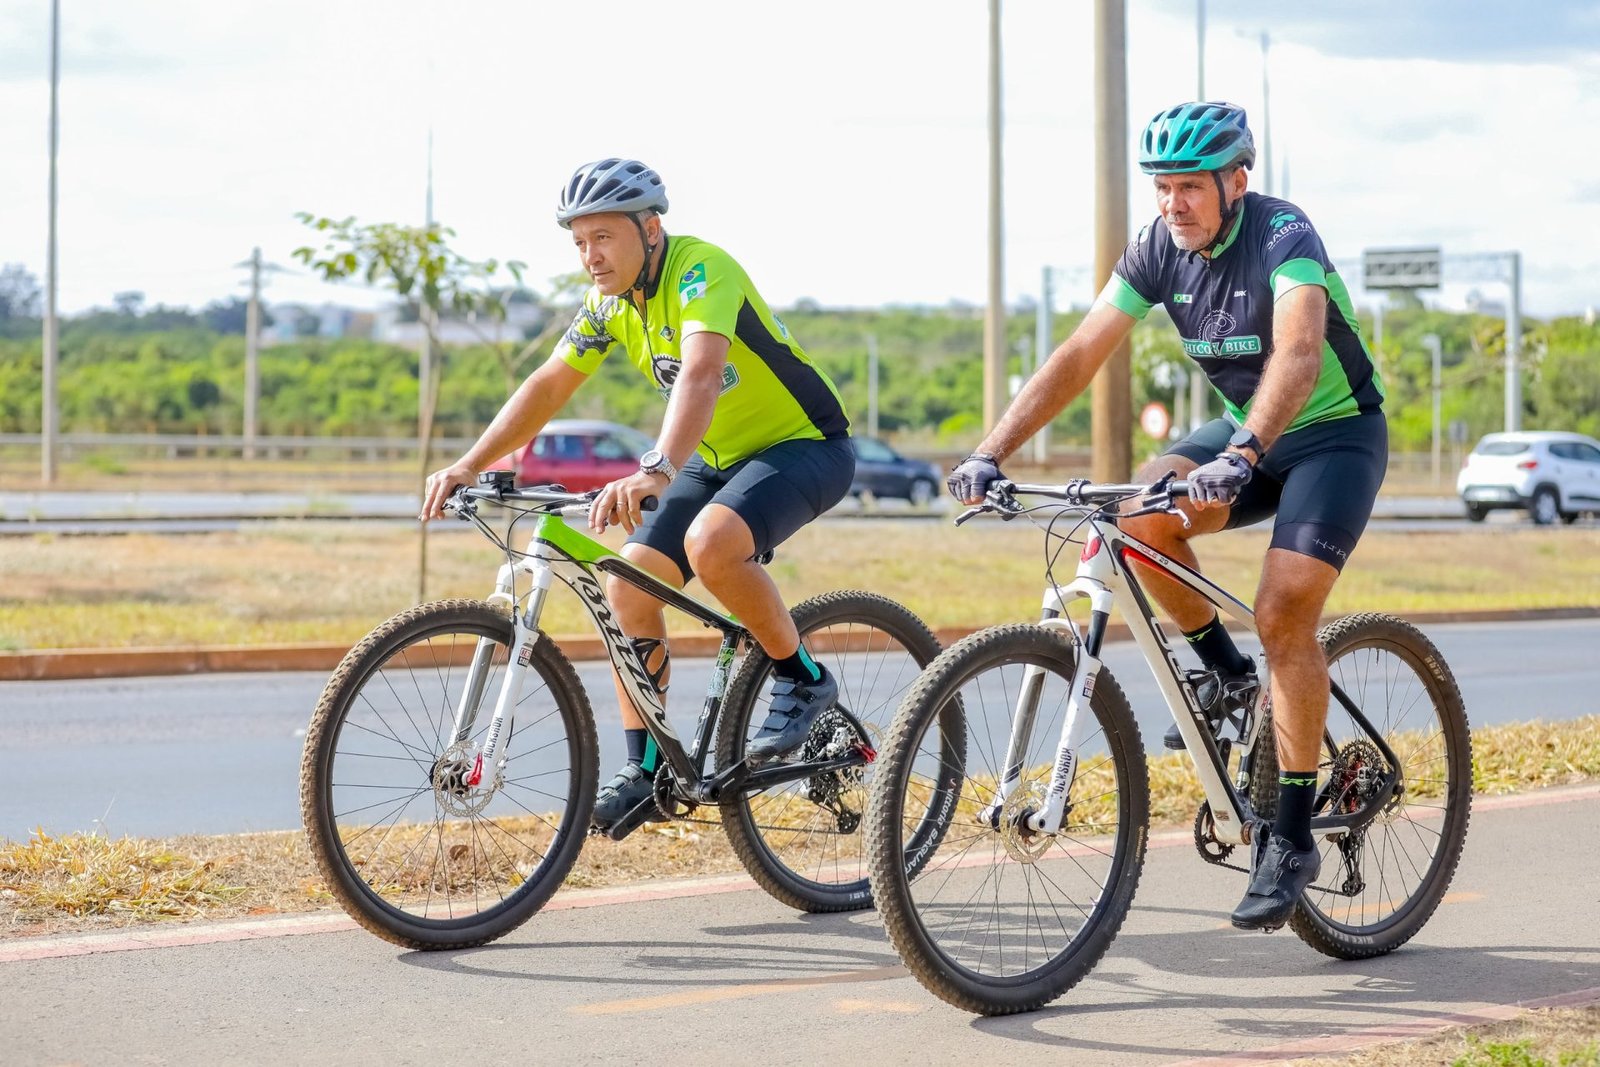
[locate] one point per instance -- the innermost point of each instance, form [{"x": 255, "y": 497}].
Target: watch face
[
  {"x": 651, "y": 459},
  {"x": 1241, "y": 439}
]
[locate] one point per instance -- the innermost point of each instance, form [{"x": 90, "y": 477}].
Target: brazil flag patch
[{"x": 692, "y": 285}]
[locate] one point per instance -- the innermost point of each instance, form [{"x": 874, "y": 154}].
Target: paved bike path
[{"x": 732, "y": 977}]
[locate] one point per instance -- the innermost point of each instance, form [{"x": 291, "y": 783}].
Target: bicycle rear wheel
[
  {"x": 999, "y": 920},
  {"x": 412, "y": 852},
  {"x": 802, "y": 841},
  {"x": 1380, "y": 885}
]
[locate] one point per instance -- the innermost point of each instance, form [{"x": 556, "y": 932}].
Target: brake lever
[{"x": 972, "y": 512}]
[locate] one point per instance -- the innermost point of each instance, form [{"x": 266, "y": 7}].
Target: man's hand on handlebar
[
  {"x": 971, "y": 478},
  {"x": 440, "y": 485},
  {"x": 623, "y": 501}
]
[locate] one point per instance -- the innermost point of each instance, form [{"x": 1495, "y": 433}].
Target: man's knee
[{"x": 717, "y": 540}]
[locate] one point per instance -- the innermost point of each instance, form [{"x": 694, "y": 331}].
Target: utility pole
[
  {"x": 48, "y": 416},
  {"x": 426, "y": 391},
  {"x": 252, "y": 344},
  {"x": 1112, "y": 391},
  {"x": 1043, "y": 329},
  {"x": 1430, "y": 341},
  {"x": 872, "y": 385},
  {"x": 1197, "y": 380},
  {"x": 994, "y": 321},
  {"x": 1514, "y": 343}
]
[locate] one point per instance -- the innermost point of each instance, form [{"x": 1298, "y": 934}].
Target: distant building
[
  {"x": 522, "y": 320},
  {"x": 291, "y": 322}
]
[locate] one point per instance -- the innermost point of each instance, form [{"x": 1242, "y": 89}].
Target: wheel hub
[
  {"x": 1022, "y": 843},
  {"x": 452, "y": 777}
]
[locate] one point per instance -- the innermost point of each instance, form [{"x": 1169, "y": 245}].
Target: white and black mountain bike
[{"x": 1022, "y": 751}]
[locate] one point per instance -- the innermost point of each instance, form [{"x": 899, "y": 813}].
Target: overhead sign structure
[{"x": 1400, "y": 268}]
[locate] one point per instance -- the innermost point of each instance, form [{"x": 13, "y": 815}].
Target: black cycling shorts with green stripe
[{"x": 1320, "y": 481}]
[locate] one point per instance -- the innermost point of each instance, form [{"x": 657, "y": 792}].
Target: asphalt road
[
  {"x": 220, "y": 753},
  {"x": 732, "y": 977}
]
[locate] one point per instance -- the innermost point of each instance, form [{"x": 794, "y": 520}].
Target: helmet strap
[
  {"x": 643, "y": 280},
  {"x": 1229, "y": 213}
]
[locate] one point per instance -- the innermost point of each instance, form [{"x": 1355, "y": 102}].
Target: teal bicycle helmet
[{"x": 1199, "y": 136}]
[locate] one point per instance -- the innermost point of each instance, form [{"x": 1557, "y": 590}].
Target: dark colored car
[
  {"x": 581, "y": 454},
  {"x": 883, "y": 472}
]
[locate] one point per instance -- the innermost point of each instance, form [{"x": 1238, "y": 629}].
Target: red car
[{"x": 581, "y": 454}]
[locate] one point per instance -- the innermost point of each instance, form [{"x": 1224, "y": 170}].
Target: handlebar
[
  {"x": 545, "y": 498},
  {"x": 1159, "y": 496}
]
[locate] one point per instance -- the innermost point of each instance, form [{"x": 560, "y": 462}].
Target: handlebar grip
[{"x": 649, "y": 503}]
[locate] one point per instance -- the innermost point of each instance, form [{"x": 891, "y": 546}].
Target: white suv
[{"x": 1553, "y": 475}]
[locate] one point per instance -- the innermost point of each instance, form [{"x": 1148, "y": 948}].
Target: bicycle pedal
[{"x": 641, "y": 813}]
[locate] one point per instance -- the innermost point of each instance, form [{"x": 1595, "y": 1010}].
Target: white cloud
[{"x": 838, "y": 149}]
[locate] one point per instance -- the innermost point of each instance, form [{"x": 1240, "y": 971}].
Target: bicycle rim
[
  {"x": 414, "y": 852},
  {"x": 997, "y": 920},
  {"x": 1380, "y": 884}
]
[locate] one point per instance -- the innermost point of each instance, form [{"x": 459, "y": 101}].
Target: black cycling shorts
[
  {"x": 776, "y": 491},
  {"x": 1320, "y": 481}
]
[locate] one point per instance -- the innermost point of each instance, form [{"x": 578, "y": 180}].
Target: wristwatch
[
  {"x": 655, "y": 461},
  {"x": 1243, "y": 438}
]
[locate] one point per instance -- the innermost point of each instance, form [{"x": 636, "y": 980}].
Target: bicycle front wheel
[
  {"x": 802, "y": 842},
  {"x": 413, "y": 852},
  {"x": 1379, "y": 885},
  {"x": 1000, "y": 919}
]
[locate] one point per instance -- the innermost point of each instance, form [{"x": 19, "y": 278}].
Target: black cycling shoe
[
  {"x": 1219, "y": 694},
  {"x": 1280, "y": 873},
  {"x": 795, "y": 706},
  {"x": 625, "y": 803}
]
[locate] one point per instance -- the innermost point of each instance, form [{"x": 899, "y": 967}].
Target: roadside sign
[
  {"x": 1400, "y": 268},
  {"x": 1155, "y": 421}
]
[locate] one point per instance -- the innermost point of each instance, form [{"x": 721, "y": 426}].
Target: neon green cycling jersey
[{"x": 771, "y": 391}]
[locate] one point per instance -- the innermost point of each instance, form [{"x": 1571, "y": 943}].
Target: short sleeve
[
  {"x": 590, "y": 338},
  {"x": 1294, "y": 254},
  {"x": 1133, "y": 285},
  {"x": 710, "y": 294}
]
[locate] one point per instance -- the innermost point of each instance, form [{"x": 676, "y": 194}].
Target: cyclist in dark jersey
[
  {"x": 1259, "y": 306},
  {"x": 755, "y": 443}
]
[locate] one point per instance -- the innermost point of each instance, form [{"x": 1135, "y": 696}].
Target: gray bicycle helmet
[{"x": 624, "y": 185}]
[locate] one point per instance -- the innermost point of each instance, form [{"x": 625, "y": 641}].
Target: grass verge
[
  {"x": 83, "y": 882},
  {"x": 1541, "y": 1037}
]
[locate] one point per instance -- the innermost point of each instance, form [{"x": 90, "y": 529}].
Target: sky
[{"x": 837, "y": 148}]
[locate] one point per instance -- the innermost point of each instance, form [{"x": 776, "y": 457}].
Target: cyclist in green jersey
[
  {"x": 1244, "y": 277},
  {"x": 754, "y": 445}
]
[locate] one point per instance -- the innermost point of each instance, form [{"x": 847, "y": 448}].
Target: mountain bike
[
  {"x": 1031, "y": 877},
  {"x": 450, "y": 768}
]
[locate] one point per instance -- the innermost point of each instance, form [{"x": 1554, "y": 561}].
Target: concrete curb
[{"x": 75, "y": 663}]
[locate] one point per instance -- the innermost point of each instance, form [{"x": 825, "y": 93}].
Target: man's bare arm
[
  {"x": 1299, "y": 323},
  {"x": 1065, "y": 375}
]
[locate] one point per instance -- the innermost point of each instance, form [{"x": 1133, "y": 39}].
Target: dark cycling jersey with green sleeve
[
  {"x": 1222, "y": 307},
  {"x": 771, "y": 391}
]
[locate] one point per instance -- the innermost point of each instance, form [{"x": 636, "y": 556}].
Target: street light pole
[
  {"x": 1044, "y": 327},
  {"x": 994, "y": 322},
  {"x": 48, "y": 416},
  {"x": 1430, "y": 341},
  {"x": 1514, "y": 344},
  {"x": 1197, "y": 380}
]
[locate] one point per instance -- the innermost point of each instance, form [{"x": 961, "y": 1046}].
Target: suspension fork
[
  {"x": 525, "y": 631},
  {"x": 1085, "y": 671}
]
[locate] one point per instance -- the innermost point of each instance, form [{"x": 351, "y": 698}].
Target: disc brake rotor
[
  {"x": 1022, "y": 844},
  {"x": 451, "y": 781}
]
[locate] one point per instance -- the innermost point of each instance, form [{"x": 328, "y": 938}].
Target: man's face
[
  {"x": 1188, "y": 204},
  {"x": 610, "y": 250}
]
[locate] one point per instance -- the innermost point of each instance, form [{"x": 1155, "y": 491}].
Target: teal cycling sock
[
  {"x": 642, "y": 750},
  {"x": 799, "y": 667}
]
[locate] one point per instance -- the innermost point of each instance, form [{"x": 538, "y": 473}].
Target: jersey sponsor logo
[
  {"x": 1238, "y": 292},
  {"x": 665, "y": 368},
  {"x": 1216, "y": 338},
  {"x": 588, "y": 331},
  {"x": 668, "y": 333},
  {"x": 692, "y": 285},
  {"x": 1183, "y": 298},
  {"x": 1286, "y": 230},
  {"x": 784, "y": 330},
  {"x": 1282, "y": 217}
]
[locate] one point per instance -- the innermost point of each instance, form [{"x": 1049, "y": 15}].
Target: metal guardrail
[{"x": 182, "y": 445}]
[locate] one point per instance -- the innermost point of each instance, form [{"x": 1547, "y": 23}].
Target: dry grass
[
  {"x": 304, "y": 582},
  {"x": 1542, "y": 1037},
  {"x": 85, "y": 882}
]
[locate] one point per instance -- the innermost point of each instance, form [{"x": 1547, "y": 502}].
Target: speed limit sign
[{"x": 1154, "y": 420}]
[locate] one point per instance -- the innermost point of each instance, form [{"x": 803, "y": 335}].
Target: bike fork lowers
[{"x": 525, "y": 630}]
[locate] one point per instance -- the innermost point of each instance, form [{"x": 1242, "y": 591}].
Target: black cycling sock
[
  {"x": 799, "y": 667},
  {"x": 1216, "y": 649},
  {"x": 1296, "y": 792},
  {"x": 642, "y": 750}
]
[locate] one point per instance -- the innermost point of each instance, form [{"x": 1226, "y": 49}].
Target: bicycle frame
[
  {"x": 1107, "y": 570},
  {"x": 556, "y": 551}
]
